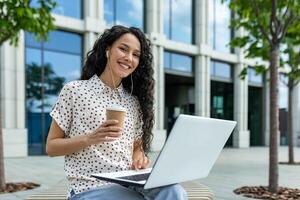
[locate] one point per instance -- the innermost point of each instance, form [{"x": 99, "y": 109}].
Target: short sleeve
[{"x": 62, "y": 111}]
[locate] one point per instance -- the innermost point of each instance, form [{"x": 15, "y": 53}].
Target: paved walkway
[{"x": 234, "y": 168}]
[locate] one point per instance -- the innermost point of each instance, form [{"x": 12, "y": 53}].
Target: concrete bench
[{"x": 196, "y": 191}]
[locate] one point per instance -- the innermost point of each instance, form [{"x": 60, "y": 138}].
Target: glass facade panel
[
  {"x": 253, "y": 77},
  {"x": 33, "y": 56},
  {"x": 178, "y": 62},
  {"x": 31, "y": 40},
  {"x": 181, "y": 62},
  {"x": 221, "y": 69},
  {"x": 222, "y": 102},
  {"x": 178, "y": 23},
  {"x": 64, "y": 64},
  {"x": 69, "y": 8},
  {"x": 179, "y": 98},
  {"x": 124, "y": 12},
  {"x": 49, "y": 65},
  {"x": 167, "y": 60},
  {"x": 219, "y": 21},
  {"x": 255, "y": 110},
  {"x": 64, "y": 42}
]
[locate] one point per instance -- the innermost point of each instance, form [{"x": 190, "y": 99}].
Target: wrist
[{"x": 86, "y": 140}]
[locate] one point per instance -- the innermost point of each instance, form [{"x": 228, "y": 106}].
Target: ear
[{"x": 107, "y": 52}]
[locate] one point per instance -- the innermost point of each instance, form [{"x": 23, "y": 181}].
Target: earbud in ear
[{"x": 107, "y": 54}]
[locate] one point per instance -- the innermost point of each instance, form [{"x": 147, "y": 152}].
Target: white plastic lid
[{"x": 116, "y": 108}]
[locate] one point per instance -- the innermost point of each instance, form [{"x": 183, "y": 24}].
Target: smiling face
[{"x": 123, "y": 56}]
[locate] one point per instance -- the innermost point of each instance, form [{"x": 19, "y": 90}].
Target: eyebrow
[{"x": 126, "y": 45}]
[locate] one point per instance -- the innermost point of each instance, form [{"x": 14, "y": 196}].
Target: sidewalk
[{"x": 234, "y": 168}]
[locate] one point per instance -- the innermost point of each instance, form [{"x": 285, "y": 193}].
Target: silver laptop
[{"x": 189, "y": 153}]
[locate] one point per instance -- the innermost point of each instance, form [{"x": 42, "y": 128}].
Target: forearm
[
  {"x": 66, "y": 146},
  {"x": 58, "y": 145}
]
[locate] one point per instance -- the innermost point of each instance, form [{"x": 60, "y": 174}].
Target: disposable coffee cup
[{"x": 116, "y": 113}]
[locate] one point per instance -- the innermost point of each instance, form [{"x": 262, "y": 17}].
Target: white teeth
[{"x": 124, "y": 66}]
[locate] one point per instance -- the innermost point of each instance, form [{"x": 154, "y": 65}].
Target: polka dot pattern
[{"x": 79, "y": 110}]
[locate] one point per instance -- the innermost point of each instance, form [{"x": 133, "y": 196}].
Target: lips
[{"x": 124, "y": 66}]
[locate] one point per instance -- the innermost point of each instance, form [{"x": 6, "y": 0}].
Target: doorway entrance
[
  {"x": 179, "y": 98},
  {"x": 222, "y": 103}
]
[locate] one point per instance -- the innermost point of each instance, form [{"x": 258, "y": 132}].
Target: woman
[{"x": 117, "y": 71}]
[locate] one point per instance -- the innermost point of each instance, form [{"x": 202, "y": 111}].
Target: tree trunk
[
  {"x": 273, "y": 157},
  {"x": 290, "y": 122},
  {"x": 2, "y": 175}
]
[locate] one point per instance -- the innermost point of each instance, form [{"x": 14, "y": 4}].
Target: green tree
[
  {"x": 266, "y": 23},
  {"x": 292, "y": 51},
  {"x": 17, "y": 15}
]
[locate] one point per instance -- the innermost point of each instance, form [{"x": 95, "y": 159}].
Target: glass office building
[{"x": 191, "y": 56}]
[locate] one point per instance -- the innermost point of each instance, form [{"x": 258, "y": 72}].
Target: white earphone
[{"x": 107, "y": 54}]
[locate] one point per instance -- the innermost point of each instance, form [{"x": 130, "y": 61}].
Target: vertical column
[
  {"x": 90, "y": 9},
  {"x": 154, "y": 28},
  {"x": 92, "y": 17},
  {"x": 89, "y": 40},
  {"x": 202, "y": 62},
  {"x": 100, "y": 11},
  {"x": 202, "y": 86},
  {"x": 13, "y": 99},
  {"x": 241, "y": 136},
  {"x": 296, "y": 115}
]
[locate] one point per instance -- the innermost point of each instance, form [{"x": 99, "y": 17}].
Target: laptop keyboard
[{"x": 137, "y": 177}]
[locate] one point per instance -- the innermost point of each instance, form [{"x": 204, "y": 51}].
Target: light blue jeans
[{"x": 118, "y": 192}]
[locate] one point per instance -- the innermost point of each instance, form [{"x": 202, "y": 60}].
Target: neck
[{"x": 109, "y": 79}]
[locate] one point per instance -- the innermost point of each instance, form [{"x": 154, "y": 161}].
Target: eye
[
  {"x": 136, "y": 55},
  {"x": 123, "y": 49}
]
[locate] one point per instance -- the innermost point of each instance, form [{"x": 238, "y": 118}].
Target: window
[
  {"x": 49, "y": 65},
  {"x": 124, "y": 12},
  {"x": 178, "y": 15},
  {"x": 69, "y": 8},
  {"x": 178, "y": 62},
  {"x": 253, "y": 77},
  {"x": 221, "y": 70},
  {"x": 219, "y": 21}
]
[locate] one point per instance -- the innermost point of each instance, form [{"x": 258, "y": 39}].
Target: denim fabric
[{"x": 116, "y": 192}]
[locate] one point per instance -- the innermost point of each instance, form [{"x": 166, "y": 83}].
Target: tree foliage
[
  {"x": 34, "y": 17},
  {"x": 265, "y": 24},
  {"x": 31, "y": 16}
]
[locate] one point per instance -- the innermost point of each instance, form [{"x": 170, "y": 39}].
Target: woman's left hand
[{"x": 139, "y": 160}]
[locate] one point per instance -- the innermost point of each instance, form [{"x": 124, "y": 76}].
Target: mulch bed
[
  {"x": 15, "y": 187},
  {"x": 261, "y": 192}
]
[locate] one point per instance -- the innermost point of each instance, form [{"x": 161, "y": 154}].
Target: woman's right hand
[{"x": 106, "y": 132}]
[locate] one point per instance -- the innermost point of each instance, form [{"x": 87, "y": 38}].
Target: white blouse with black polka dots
[{"x": 79, "y": 110}]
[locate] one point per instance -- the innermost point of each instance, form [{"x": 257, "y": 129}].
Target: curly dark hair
[{"x": 142, "y": 77}]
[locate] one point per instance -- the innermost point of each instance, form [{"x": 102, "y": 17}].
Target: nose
[{"x": 129, "y": 57}]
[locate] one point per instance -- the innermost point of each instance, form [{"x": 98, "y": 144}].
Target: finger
[
  {"x": 114, "y": 135},
  {"x": 140, "y": 163},
  {"x": 109, "y": 122},
  {"x": 134, "y": 165},
  {"x": 105, "y": 131},
  {"x": 110, "y": 129},
  {"x": 107, "y": 140},
  {"x": 144, "y": 163}
]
